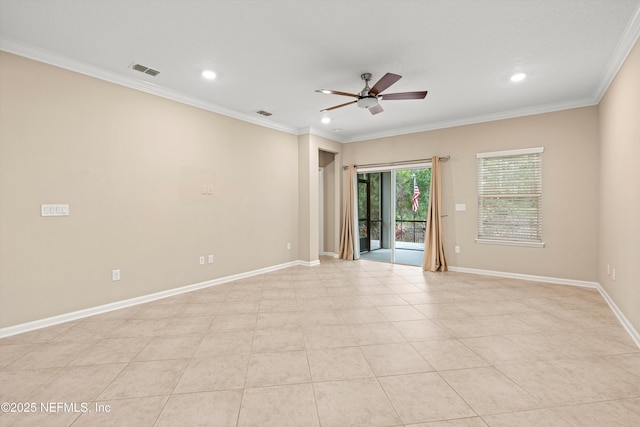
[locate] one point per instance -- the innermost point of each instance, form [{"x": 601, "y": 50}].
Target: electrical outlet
[
  {"x": 210, "y": 259},
  {"x": 115, "y": 275},
  {"x": 201, "y": 260},
  {"x": 457, "y": 249},
  {"x": 288, "y": 246}
]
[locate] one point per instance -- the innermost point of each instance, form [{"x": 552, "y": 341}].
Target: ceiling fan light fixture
[{"x": 367, "y": 102}]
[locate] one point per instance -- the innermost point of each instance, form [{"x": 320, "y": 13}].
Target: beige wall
[
  {"x": 570, "y": 181},
  {"x": 131, "y": 167},
  {"x": 308, "y": 196},
  {"x": 619, "y": 243}
]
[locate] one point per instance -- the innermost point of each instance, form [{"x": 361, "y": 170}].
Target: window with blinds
[{"x": 510, "y": 197}]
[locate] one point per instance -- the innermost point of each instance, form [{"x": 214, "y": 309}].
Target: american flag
[{"x": 416, "y": 196}]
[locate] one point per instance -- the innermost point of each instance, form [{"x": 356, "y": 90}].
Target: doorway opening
[{"x": 392, "y": 211}]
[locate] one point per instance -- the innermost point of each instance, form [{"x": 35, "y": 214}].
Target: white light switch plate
[
  {"x": 461, "y": 207},
  {"x": 54, "y": 210}
]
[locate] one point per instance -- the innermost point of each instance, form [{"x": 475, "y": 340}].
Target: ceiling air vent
[
  {"x": 264, "y": 113},
  {"x": 146, "y": 70}
]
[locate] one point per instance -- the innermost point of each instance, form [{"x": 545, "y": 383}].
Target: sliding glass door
[
  {"x": 391, "y": 214},
  {"x": 412, "y": 199},
  {"x": 369, "y": 211},
  {"x": 364, "y": 195}
]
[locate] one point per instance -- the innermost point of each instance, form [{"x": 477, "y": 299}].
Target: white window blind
[{"x": 510, "y": 197}]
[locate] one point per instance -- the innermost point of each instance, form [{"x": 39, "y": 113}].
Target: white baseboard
[
  {"x": 75, "y": 315},
  {"x": 309, "y": 263},
  {"x": 545, "y": 279},
  {"x": 593, "y": 285},
  {"x": 621, "y": 317},
  {"x": 329, "y": 254}
]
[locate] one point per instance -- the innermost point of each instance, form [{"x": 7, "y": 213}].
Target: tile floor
[{"x": 341, "y": 344}]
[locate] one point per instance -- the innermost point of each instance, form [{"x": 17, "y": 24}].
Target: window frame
[{"x": 535, "y": 194}]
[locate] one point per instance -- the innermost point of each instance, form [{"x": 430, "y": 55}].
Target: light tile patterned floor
[{"x": 341, "y": 344}]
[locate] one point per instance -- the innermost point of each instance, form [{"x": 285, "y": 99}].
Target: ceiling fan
[{"x": 368, "y": 97}]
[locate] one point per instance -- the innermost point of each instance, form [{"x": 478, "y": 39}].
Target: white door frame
[
  {"x": 393, "y": 169},
  {"x": 321, "y": 250}
]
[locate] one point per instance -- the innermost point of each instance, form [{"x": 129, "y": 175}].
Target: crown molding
[
  {"x": 628, "y": 40},
  {"x": 319, "y": 132},
  {"x": 491, "y": 117},
  {"x": 57, "y": 60}
]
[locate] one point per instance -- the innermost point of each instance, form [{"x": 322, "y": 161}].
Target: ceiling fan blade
[
  {"x": 336, "y": 92},
  {"x": 338, "y": 106},
  {"x": 386, "y": 81},
  {"x": 404, "y": 95},
  {"x": 375, "y": 109}
]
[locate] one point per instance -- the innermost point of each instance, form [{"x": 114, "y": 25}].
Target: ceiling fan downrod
[
  {"x": 367, "y": 78},
  {"x": 366, "y": 100}
]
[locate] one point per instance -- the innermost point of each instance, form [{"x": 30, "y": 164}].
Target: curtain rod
[{"x": 406, "y": 162}]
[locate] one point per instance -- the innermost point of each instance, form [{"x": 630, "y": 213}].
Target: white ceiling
[{"x": 272, "y": 54}]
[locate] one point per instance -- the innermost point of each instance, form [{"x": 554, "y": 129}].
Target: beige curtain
[
  {"x": 349, "y": 243},
  {"x": 433, "y": 249}
]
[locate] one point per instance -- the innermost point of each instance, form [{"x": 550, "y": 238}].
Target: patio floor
[{"x": 406, "y": 253}]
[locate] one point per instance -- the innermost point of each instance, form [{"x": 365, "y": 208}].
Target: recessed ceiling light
[
  {"x": 326, "y": 120},
  {"x": 208, "y": 74},
  {"x": 337, "y": 130},
  {"x": 518, "y": 77}
]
